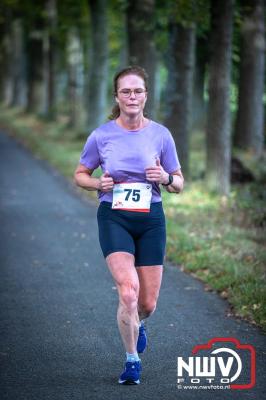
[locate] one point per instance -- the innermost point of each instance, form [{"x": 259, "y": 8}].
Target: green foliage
[
  {"x": 25, "y": 9},
  {"x": 73, "y": 14},
  {"x": 221, "y": 241},
  {"x": 187, "y": 12},
  {"x": 117, "y": 28},
  {"x": 7, "y": 6}
]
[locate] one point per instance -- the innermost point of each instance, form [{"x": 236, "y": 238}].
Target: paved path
[{"x": 59, "y": 338}]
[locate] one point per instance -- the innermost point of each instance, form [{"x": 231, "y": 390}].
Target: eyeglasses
[{"x": 127, "y": 92}]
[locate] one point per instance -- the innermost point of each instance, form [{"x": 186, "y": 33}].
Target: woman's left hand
[{"x": 157, "y": 174}]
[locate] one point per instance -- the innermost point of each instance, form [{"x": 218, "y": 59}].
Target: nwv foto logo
[{"x": 221, "y": 366}]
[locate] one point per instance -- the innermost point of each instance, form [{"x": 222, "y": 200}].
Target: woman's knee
[
  {"x": 128, "y": 294},
  {"x": 147, "y": 308}
]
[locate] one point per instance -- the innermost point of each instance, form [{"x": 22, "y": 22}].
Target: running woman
[{"x": 136, "y": 156}]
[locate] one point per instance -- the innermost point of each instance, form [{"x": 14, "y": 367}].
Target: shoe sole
[{"x": 129, "y": 382}]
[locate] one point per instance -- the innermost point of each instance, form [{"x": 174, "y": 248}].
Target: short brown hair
[{"x": 130, "y": 70}]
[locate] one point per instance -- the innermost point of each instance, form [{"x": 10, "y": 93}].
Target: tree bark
[
  {"x": 170, "y": 59},
  {"x": 250, "y": 115},
  {"x": 198, "y": 102},
  {"x": 75, "y": 76},
  {"x": 179, "y": 89},
  {"x": 97, "y": 98},
  {"x": 6, "y": 56},
  {"x": 35, "y": 94},
  {"x": 218, "y": 120},
  {"x": 141, "y": 43},
  {"x": 50, "y": 60},
  {"x": 18, "y": 65}
]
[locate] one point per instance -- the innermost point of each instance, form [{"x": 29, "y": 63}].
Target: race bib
[{"x": 134, "y": 196}]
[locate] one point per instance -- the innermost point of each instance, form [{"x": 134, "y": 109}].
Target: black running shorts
[{"x": 139, "y": 233}]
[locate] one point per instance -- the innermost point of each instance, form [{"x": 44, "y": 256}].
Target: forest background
[{"x": 206, "y": 66}]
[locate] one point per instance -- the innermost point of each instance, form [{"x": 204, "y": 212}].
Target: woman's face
[{"x": 131, "y": 95}]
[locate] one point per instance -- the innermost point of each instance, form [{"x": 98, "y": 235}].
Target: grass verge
[{"x": 219, "y": 240}]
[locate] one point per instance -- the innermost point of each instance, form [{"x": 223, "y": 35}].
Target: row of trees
[{"x": 59, "y": 56}]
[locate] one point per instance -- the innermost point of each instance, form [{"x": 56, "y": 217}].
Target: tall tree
[
  {"x": 75, "y": 73},
  {"x": 249, "y": 122},
  {"x": 218, "y": 120},
  {"x": 98, "y": 80},
  {"x": 141, "y": 42},
  {"x": 50, "y": 58},
  {"x": 6, "y": 53},
  {"x": 179, "y": 87},
  {"x": 72, "y": 60},
  {"x": 18, "y": 64},
  {"x": 198, "y": 101},
  {"x": 183, "y": 18},
  {"x": 34, "y": 49}
]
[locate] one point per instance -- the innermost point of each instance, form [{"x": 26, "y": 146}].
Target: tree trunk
[
  {"x": 97, "y": 98},
  {"x": 50, "y": 60},
  {"x": 6, "y": 55},
  {"x": 218, "y": 120},
  {"x": 124, "y": 49},
  {"x": 75, "y": 79},
  {"x": 3, "y": 60},
  {"x": 179, "y": 92},
  {"x": 170, "y": 59},
  {"x": 18, "y": 65},
  {"x": 141, "y": 43},
  {"x": 198, "y": 101},
  {"x": 35, "y": 95},
  {"x": 249, "y": 122}
]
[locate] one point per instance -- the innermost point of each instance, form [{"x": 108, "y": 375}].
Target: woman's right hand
[{"x": 106, "y": 182}]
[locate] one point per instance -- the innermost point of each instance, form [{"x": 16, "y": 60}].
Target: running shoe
[
  {"x": 131, "y": 374},
  {"x": 142, "y": 339}
]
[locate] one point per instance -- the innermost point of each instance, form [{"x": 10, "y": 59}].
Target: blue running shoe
[
  {"x": 142, "y": 339},
  {"x": 131, "y": 374}
]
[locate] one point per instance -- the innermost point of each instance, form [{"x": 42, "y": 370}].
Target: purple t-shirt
[{"x": 125, "y": 154}]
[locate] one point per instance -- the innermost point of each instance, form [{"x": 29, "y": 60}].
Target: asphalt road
[{"x": 59, "y": 338}]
